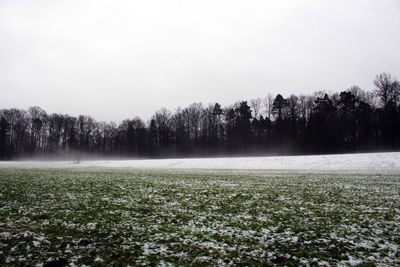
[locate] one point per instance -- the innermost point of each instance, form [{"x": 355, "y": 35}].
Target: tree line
[{"x": 353, "y": 120}]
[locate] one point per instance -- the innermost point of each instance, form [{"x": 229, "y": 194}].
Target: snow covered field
[
  {"x": 120, "y": 217},
  {"x": 328, "y": 210},
  {"x": 385, "y": 163}
]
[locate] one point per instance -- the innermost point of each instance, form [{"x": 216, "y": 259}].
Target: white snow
[{"x": 387, "y": 163}]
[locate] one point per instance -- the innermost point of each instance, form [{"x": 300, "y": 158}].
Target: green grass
[{"x": 121, "y": 217}]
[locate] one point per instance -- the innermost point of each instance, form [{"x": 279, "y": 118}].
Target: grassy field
[{"x": 120, "y": 217}]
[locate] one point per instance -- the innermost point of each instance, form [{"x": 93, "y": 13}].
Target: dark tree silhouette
[
  {"x": 4, "y": 132},
  {"x": 388, "y": 89},
  {"x": 278, "y": 107},
  {"x": 348, "y": 121}
]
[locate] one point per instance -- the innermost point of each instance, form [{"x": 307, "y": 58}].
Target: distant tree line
[{"x": 350, "y": 121}]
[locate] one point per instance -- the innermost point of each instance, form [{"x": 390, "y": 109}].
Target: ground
[{"x": 102, "y": 217}]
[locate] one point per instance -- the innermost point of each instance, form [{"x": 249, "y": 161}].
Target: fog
[{"x": 371, "y": 163}]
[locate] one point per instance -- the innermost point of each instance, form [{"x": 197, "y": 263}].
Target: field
[{"x": 112, "y": 216}]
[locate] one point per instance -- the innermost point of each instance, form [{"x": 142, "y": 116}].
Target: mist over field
[{"x": 370, "y": 163}]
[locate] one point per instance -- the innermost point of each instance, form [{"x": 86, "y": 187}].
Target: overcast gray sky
[{"x": 114, "y": 60}]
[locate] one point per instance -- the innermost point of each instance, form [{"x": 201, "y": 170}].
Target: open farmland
[{"x": 132, "y": 217}]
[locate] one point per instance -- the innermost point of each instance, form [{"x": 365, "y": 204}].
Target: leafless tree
[
  {"x": 192, "y": 118},
  {"x": 162, "y": 124},
  {"x": 38, "y": 121},
  {"x": 365, "y": 96},
  {"x": 268, "y": 104},
  {"x": 293, "y": 106},
  {"x": 56, "y": 122},
  {"x": 255, "y": 104},
  {"x": 387, "y": 88},
  {"x": 303, "y": 106}
]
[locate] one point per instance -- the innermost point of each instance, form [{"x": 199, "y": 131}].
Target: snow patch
[{"x": 387, "y": 163}]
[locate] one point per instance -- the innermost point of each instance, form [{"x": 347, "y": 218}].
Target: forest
[{"x": 353, "y": 120}]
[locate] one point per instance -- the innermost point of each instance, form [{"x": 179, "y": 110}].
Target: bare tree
[
  {"x": 18, "y": 129},
  {"x": 319, "y": 94},
  {"x": 387, "y": 88},
  {"x": 255, "y": 104},
  {"x": 161, "y": 121},
  {"x": 365, "y": 96},
  {"x": 268, "y": 104},
  {"x": 293, "y": 105},
  {"x": 85, "y": 127},
  {"x": 38, "y": 121},
  {"x": 56, "y": 122},
  {"x": 303, "y": 107},
  {"x": 192, "y": 118}
]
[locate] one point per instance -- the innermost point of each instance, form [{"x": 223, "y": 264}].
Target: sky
[{"x": 115, "y": 60}]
